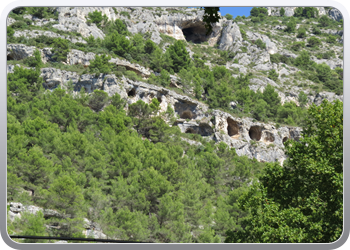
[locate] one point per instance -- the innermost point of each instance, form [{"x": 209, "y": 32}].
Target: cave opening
[
  {"x": 232, "y": 127},
  {"x": 195, "y": 33},
  {"x": 255, "y": 133},
  {"x": 285, "y": 139},
  {"x": 132, "y": 93},
  {"x": 269, "y": 137},
  {"x": 159, "y": 99},
  {"x": 9, "y": 57}
]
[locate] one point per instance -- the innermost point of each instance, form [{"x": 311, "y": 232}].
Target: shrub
[
  {"x": 296, "y": 46},
  {"x": 244, "y": 49},
  {"x": 229, "y": 16},
  {"x": 260, "y": 44},
  {"x": 98, "y": 99},
  {"x": 273, "y": 75},
  {"x": 324, "y": 21},
  {"x": 313, "y": 42},
  {"x": 282, "y": 11},
  {"x": 316, "y": 30},
  {"x": 60, "y": 49},
  {"x": 291, "y": 26},
  {"x": 100, "y": 64},
  {"x": 97, "y": 18},
  {"x": 301, "y": 33},
  {"x": 331, "y": 39},
  {"x": 35, "y": 60},
  {"x": 303, "y": 60}
]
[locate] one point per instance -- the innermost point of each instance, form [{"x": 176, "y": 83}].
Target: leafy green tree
[
  {"x": 34, "y": 226},
  {"x": 301, "y": 33},
  {"x": 98, "y": 99},
  {"x": 118, "y": 44},
  {"x": 282, "y": 11},
  {"x": 291, "y": 25},
  {"x": 229, "y": 16},
  {"x": 324, "y": 21},
  {"x": 100, "y": 64},
  {"x": 313, "y": 42},
  {"x": 272, "y": 99},
  {"x": 60, "y": 49},
  {"x": 303, "y": 200},
  {"x": 303, "y": 60},
  {"x": 179, "y": 55},
  {"x": 273, "y": 75}
]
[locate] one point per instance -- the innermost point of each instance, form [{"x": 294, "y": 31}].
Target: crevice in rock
[
  {"x": 269, "y": 137},
  {"x": 285, "y": 139},
  {"x": 9, "y": 57},
  {"x": 195, "y": 32},
  {"x": 132, "y": 93},
  {"x": 187, "y": 114},
  {"x": 232, "y": 127},
  {"x": 191, "y": 131},
  {"x": 159, "y": 99},
  {"x": 185, "y": 110},
  {"x": 255, "y": 133}
]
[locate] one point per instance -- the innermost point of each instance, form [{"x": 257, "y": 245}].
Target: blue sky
[{"x": 235, "y": 11}]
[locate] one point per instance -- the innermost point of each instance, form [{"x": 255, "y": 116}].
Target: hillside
[{"x": 144, "y": 119}]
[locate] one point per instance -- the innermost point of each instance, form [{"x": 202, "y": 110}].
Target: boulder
[{"x": 335, "y": 14}]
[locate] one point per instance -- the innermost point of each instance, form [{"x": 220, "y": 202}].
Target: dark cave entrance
[
  {"x": 255, "y": 133},
  {"x": 232, "y": 127},
  {"x": 195, "y": 33},
  {"x": 132, "y": 93}
]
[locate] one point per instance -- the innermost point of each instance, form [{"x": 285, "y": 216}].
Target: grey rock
[
  {"x": 332, "y": 63},
  {"x": 328, "y": 96},
  {"x": 10, "y": 21},
  {"x": 36, "y": 33},
  {"x": 230, "y": 34},
  {"x": 335, "y": 14}
]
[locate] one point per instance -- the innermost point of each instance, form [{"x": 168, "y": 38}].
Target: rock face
[
  {"x": 21, "y": 51},
  {"x": 335, "y": 14},
  {"x": 230, "y": 35},
  {"x": 92, "y": 229},
  {"x": 36, "y": 33},
  {"x": 289, "y": 11}
]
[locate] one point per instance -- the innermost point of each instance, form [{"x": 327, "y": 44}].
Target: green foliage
[
  {"x": 260, "y": 44},
  {"x": 100, "y": 64},
  {"x": 211, "y": 15},
  {"x": 256, "y": 11},
  {"x": 178, "y": 55},
  {"x": 35, "y": 60},
  {"x": 285, "y": 206},
  {"x": 302, "y": 99},
  {"x": 244, "y": 34},
  {"x": 331, "y": 39},
  {"x": 273, "y": 75},
  {"x": 118, "y": 44},
  {"x": 296, "y": 46},
  {"x": 301, "y": 33},
  {"x": 60, "y": 49},
  {"x": 229, "y": 16},
  {"x": 324, "y": 21},
  {"x": 97, "y": 18},
  {"x": 291, "y": 25},
  {"x": 42, "y": 12},
  {"x": 307, "y": 12},
  {"x": 303, "y": 60},
  {"x": 313, "y": 42},
  {"x": 98, "y": 99},
  {"x": 282, "y": 11}
]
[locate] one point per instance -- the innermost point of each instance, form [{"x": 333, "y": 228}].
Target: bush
[
  {"x": 35, "y": 60},
  {"x": 229, "y": 16},
  {"x": 324, "y": 21},
  {"x": 282, "y": 11},
  {"x": 98, "y": 99},
  {"x": 301, "y": 33},
  {"x": 244, "y": 49},
  {"x": 313, "y": 42},
  {"x": 331, "y": 39},
  {"x": 316, "y": 31},
  {"x": 97, "y": 18},
  {"x": 303, "y": 60},
  {"x": 60, "y": 49},
  {"x": 296, "y": 46},
  {"x": 273, "y": 75},
  {"x": 291, "y": 26},
  {"x": 100, "y": 64},
  {"x": 260, "y": 44}
]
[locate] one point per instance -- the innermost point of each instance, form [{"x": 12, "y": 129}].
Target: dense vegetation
[
  {"x": 133, "y": 174},
  {"x": 130, "y": 173}
]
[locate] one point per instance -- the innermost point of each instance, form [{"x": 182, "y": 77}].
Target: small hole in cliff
[
  {"x": 132, "y": 93},
  {"x": 187, "y": 114},
  {"x": 159, "y": 99},
  {"x": 285, "y": 139},
  {"x": 269, "y": 137},
  {"x": 255, "y": 133},
  {"x": 9, "y": 57},
  {"x": 190, "y": 131},
  {"x": 232, "y": 127}
]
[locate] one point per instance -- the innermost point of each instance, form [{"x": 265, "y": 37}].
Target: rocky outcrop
[
  {"x": 289, "y": 11},
  {"x": 230, "y": 35},
  {"x": 36, "y": 33},
  {"x": 335, "y": 14},
  {"x": 21, "y": 51},
  {"x": 332, "y": 63},
  {"x": 92, "y": 229}
]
